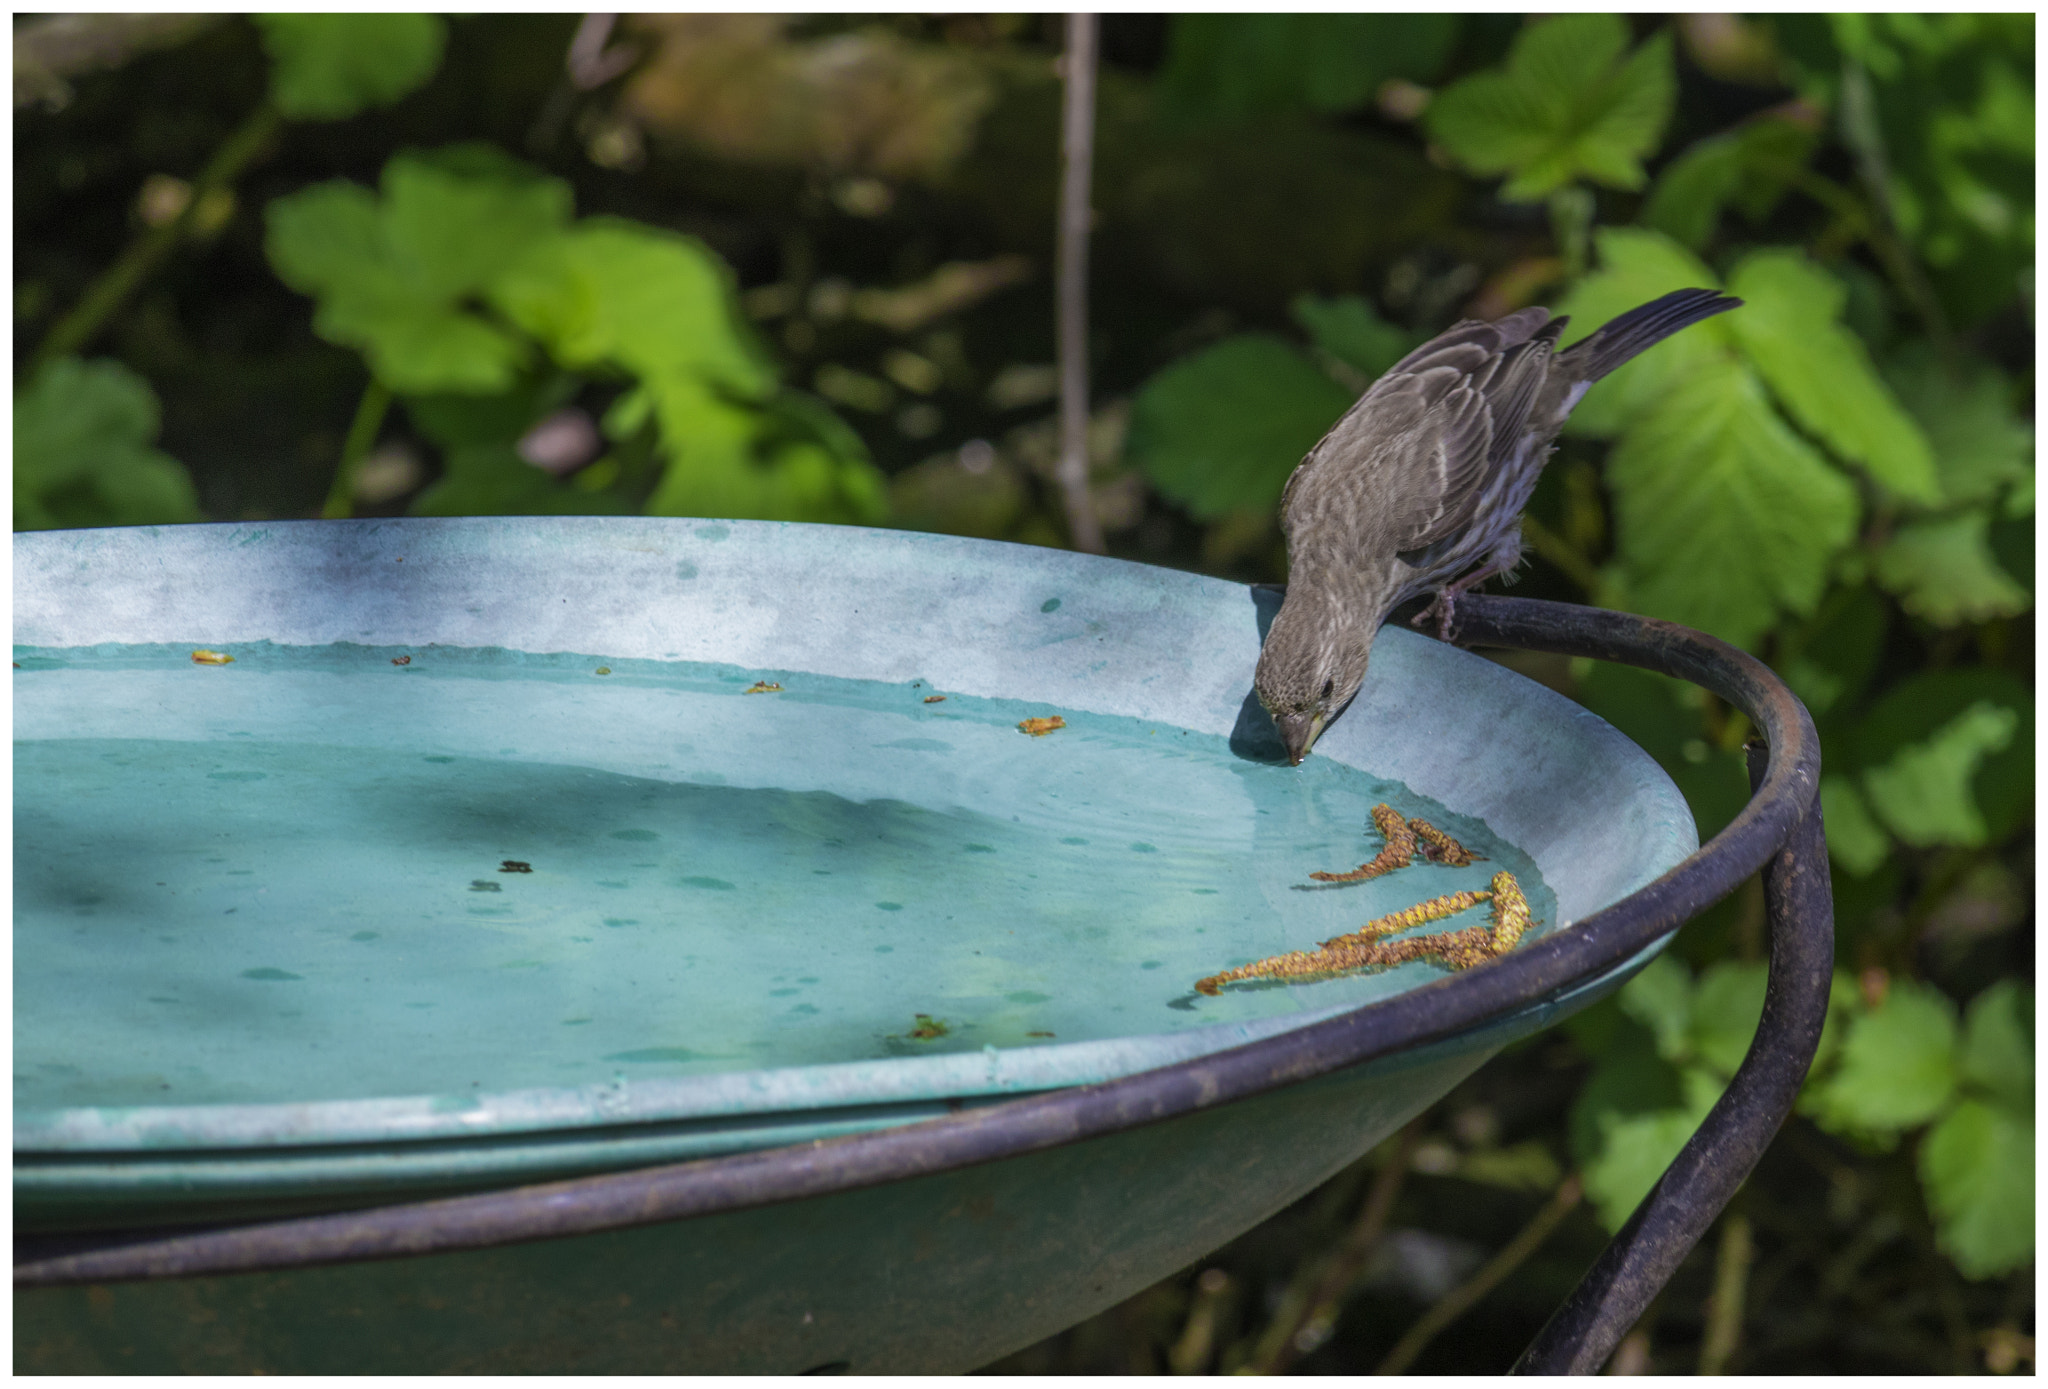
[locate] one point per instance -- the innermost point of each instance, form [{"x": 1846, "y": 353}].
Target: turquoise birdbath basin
[{"x": 364, "y": 862}]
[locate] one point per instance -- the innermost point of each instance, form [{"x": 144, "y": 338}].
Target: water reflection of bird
[{"x": 1420, "y": 488}]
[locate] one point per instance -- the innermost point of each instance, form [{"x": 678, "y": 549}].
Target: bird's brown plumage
[{"x": 1420, "y": 488}]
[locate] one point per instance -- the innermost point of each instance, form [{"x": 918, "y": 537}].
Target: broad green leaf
[
  {"x": 1832, "y": 661},
  {"x": 615, "y": 294},
  {"x": 1232, "y": 66},
  {"x": 1981, "y": 445},
  {"x": 1661, "y": 999},
  {"x": 392, "y": 276},
  {"x": 1943, "y": 570},
  {"x": 83, "y": 455},
  {"x": 1637, "y": 266},
  {"x": 493, "y": 480},
  {"x": 1566, "y": 106},
  {"x": 1748, "y": 167},
  {"x": 1898, "y": 1065},
  {"x": 1221, "y": 431},
  {"x": 1351, "y": 330},
  {"x": 1726, "y": 1007},
  {"x": 325, "y": 235},
  {"x": 1919, "y": 708},
  {"x": 453, "y": 230},
  {"x": 452, "y": 421},
  {"x": 1978, "y": 1168},
  {"x": 1998, "y": 1043},
  {"x": 1856, "y": 842},
  {"x": 654, "y": 302},
  {"x": 1629, "y": 1078},
  {"x": 1649, "y": 710},
  {"x": 326, "y": 67},
  {"x": 1724, "y": 517},
  {"x": 1924, "y": 793},
  {"x": 1635, "y": 1149},
  {"x": 1789, "y": 325}
]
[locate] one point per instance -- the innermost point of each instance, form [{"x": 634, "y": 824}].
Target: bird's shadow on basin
[{"x": 1255, "y": 739}]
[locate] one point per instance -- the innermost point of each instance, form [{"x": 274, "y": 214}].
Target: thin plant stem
[
  {"x": 1459, "y": 1300},
  {"x": 1731, "y": 1285},
  {"x": 1309, "y": 1310},
  {"x": 1197, "y": 1341},
  {"x": 1077, "y": 147},
  {"x": 362, "y": 436},
  {"x": 106, "y": 294}
]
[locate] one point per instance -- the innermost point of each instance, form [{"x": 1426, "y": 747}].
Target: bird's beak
[{"x": 1298, "y": 732}]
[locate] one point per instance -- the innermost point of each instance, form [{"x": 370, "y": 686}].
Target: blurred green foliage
[{"x": 1838, "y": 477}]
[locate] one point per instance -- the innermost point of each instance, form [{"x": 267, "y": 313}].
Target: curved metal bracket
[{"x": 1779, "y": 831}]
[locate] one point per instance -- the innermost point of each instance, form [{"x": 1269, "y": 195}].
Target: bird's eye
[{"x": 1329, "y": 687}]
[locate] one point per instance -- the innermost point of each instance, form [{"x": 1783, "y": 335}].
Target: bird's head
[{"x": 1312, "y": 664}]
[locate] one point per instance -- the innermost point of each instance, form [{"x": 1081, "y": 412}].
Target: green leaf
[
  {"x": 1566, "y": 106},
  {"x": 1628, "y": 1078},
  {"x": 1649, "y": 709},
  {"x": 1978, "y": 1167},
  {"x": 1637, "y": 266},
  {"x": 1943, "y": 570},
  {"x": 656, "y": 303},
  {"x": 1723, "y": 515},
  {"x": 1726, "y": 1007},
  {"x": 326, "y": 67},
  {"x": 493, "y": 480},
  {"x": 82, "y": 451},
  {"x": 1635, "y": 1150},
  {"x": 1660, "y": 998},
  {"x": 1351, "y": 330},
  {"x": 458, "y": 219},
  {"x": 1857, "y": 844},
  {"x": 1748, "y": 167},
  {"x": 1998, "y": 1043},
  {"x": 1920, "y": 707},
  {"x": 1981, "y": 445},
  {"x": 1831, "y": 662},
  {"x": 393, "y": 276},
  {"x": 617, "y": 295},
  {"x": 1898, "y": 1066},
  {"x": 1232, "y": 66},
  {"x": 1220, "y": 431},
  {"x": 1924, "y": 793},
  {"x": 1789, "y": 327}
]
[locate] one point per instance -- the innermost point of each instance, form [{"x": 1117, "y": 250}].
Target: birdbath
[{"x": 666, "y": 945}]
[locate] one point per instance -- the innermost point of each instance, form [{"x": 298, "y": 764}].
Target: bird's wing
[
  {"x": 1407, "y": 459},
  {"x": 1420, "y": 447}
]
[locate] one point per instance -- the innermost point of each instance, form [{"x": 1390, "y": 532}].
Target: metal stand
[{"x": 1779, "y": 831}]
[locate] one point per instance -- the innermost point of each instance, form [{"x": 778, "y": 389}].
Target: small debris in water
[
  {"x": 1367, "y": 948},
  {"x": 401, "y": 660},
  {"x": 928, "y": 1028},
  {"x": 934, "y": 699},
  {"x": 604, "y": 670},
  {"x": 1038, "y": 1034},
  {"x": 1038, "y": 728},
  {"x": 513, "y": 865},
  {"x": 1403, "y": 837},
  {"x": 483, "y": 885},
  {"x": 763, "y": 687},
  {"x": 204, "y": 657}
]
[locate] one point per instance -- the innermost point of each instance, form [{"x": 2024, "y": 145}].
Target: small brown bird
[{"x": 1420, "y": 488}]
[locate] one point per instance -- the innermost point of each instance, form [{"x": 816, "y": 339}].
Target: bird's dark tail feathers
[{"x": 1640, "y": 329}]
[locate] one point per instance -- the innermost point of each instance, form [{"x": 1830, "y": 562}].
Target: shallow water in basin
[{"x": 319, "y": 874}]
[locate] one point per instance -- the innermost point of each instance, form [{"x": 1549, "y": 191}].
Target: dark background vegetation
[{"x": 1238, "y": 170}]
